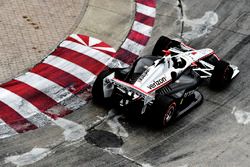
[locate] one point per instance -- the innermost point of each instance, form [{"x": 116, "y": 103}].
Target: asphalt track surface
[{"x": 209, "y": 135}]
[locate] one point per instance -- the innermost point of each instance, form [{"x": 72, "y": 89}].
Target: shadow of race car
[{"x": 164, "y": 85}]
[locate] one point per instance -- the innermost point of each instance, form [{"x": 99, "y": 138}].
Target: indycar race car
[{"x": 164, "y": 85}]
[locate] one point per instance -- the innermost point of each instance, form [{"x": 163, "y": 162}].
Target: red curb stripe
[
  {"x": 14, "y": 120},
  {"x": 138, "y": 37},
  {"x": 150, "y": 3},
  {"x": 80, "y": 59},
  {"x": 126, "y": 56},
  {"x": 34, "y": 96},
  {"x": 144, "y": 19},
  {"x": 60, "y": 77},
  {"x": 102, "y": 44}
]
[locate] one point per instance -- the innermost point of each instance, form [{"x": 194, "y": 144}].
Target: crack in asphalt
[
  {"x": 178, "y": 157},
  {"x": 180, "y": 6},
  {"x": 233, "y": 31},
  {"x": 130, "y": 159}
]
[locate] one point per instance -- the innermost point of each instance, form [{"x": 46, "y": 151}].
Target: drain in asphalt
[{"x": 103, "y": 139}]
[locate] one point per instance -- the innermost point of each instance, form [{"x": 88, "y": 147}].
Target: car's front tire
[{"x": 221, "y": 75}]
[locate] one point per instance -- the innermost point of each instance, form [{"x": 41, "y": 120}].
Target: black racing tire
[
  {"x": 221, "y": 75},
  {"x": 161, "y": 44},
  {"x": 97, "y": 89},
  {"x": 163, "y": 111}
]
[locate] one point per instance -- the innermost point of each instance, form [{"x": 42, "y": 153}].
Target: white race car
[{"x": 164, "y": 85}]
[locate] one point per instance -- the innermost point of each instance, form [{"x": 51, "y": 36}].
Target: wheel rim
[{"x": 169, "y": 114}]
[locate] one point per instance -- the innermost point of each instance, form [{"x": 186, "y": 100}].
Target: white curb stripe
[
  {"x": 95, "y": 54},
  {"x": 76, "y": 37},
  {"x": 24, "y": 108},
  {"x": 142, "y": 28},
  {"x": 71, "y": 68},
  {"x": 6, "y": 130},
  {"x": 51, "y": 89},
  {"x": 146, "y": 10},
  {"x": 132, "y": 46}
]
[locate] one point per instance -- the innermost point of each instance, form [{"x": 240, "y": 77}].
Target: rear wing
[{"x": 128, "y": 88}]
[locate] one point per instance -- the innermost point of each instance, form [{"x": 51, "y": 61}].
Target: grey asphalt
[{"x": 209, "y": 135}]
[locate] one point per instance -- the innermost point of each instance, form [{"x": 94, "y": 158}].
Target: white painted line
[
  {"x": 88, "y": 51},
  {"x": 6, "y": 130},
  {"x": 242, "y": 116},
  {"x": 28, "y": 158},
  {"x": 72, "y": 130},
  {"x": 132, "y": 46},
  {"x": 146, "y": 165},
  {"x": 116, "y": 127},
  {"x": 51, "y": 89},
  {"x": 72, "y": 68},
  {"x": 24, "y": 108},
  {"x": 146, "y": 10},
  {"x": 142, "y": 28}
]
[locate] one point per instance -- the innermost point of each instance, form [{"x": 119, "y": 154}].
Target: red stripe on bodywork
[{"x": 132, "y": 86}]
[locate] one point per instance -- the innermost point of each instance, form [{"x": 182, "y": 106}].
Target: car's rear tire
[
  {"x": 97, "y": 89},
  {"x": 221, "y": 75},
  {"x": 163, "y": 111},
  {"x": 161, "y": 44}
]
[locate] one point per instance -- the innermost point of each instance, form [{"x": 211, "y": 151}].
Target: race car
[{"x": 164, "y": 85}]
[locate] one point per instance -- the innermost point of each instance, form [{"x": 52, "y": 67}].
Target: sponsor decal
[
  {"x": 188, "y": 93},
  {"x": 144, "y": 74},
  {"x": 157, "y": 83}
]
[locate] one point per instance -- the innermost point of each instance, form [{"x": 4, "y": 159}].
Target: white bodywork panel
[{"x": 158, "y": 75}]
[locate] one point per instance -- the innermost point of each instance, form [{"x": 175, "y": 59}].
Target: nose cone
[
  {"x": 199, "y": 54},
  {"x": 206, "y": 51}
]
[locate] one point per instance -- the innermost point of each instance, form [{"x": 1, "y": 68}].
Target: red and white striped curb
[
  {"x": 140, "y": 32},
  {"x": 51, "y": 88}
]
